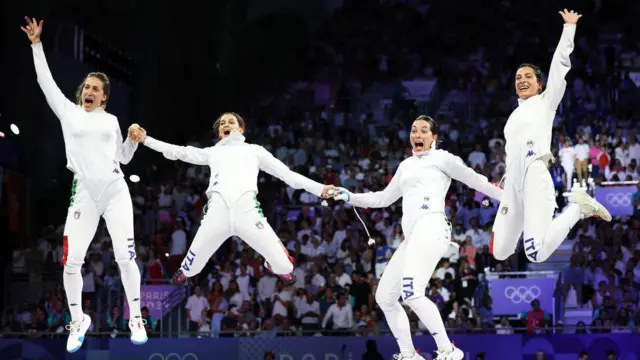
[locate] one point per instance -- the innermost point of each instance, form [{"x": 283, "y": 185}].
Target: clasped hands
[
  {"x": 137, "y": 133},
  {"x": 336, "y": 193}
]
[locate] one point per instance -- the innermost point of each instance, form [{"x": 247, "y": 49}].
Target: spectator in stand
[
  {"x": 536, "y": 319},
  {"x": 582, "y": 160},
  {"x": 196, "y": 303},
  {"x": 568, "y": 161},
  {"x": 341, "y": 316}
]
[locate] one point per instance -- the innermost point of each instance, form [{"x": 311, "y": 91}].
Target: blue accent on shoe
[
  {"x": 81, "y": 339},
  {"x": 139, "y": 342}
]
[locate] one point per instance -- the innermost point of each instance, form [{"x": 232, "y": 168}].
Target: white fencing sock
[
  {"x": 430, "y": 316},
  {"x": 72, "y": 280},
  {"x": 130, "y": 275}
]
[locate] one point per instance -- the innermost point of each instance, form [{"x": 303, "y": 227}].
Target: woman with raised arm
[
  {"x": 233, "y": 208},
  {"x": 422, "y": 181},
  {"x": 94, "y": 149},
  {"x": 529, "y": 200}
]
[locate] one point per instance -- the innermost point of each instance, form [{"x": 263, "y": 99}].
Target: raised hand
[
  {"x": 137, "y": 133},
  {"x": 570, "y": 17},
  {"x": 33, "y": 29}
]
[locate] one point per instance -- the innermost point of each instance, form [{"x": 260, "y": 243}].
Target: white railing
[{"x": 528, "y": 274}]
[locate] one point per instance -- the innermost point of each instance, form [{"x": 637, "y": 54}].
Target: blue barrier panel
[
  {"x": 175, "y": 349},
  {"x": 514, "y": 296},
  {"x": 496, "y": 347}
]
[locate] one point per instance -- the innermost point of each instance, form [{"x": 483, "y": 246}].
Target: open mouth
[
  {"x": 523, "y": 87},
  {"x": 88, "y": 101},
  {"x": 419, "y": 145},
  {"x": 226, "y": 132}
]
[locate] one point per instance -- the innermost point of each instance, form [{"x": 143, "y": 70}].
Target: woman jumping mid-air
[
  {"x": 233, "y": 208},
  {"x": 95, "y": 150},
  {"x": 529, "y": 199},
  {"x": 422, "y": 181}
]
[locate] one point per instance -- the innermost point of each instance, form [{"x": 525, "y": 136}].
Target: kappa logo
[
  {"x": 504, "y": 210},
  {"x": 260, "y": 225},
  {"x": 116, "y": 171},
  {"x": 530, "y": 153},
  {"x": 76, "y": 215},
  {"x": 425, "y": 206}
]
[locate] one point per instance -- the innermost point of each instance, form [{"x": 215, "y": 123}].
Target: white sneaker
[
  {"x": 455, "y": 354},
  {"x": 138, "y": 331},
  {"x": 77, "y": 329},
  {"x": 589, "y": 207},
  {"x": 416, "y": 356}
]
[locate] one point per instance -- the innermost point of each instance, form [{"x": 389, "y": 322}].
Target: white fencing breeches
[
  {"x": 84, "y": 214},
  {"x": 408, "y": 272},
  {"x": 243, "y": 218},
  {"x": 83, "y": 218},
  {"x": 531, "y": 210}
]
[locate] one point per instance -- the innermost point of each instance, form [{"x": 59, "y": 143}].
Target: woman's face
[
  {"x": 421, "y": 136},
  {"x": 93, "y": 95},
  {"x": 527, "y": 84},
  {"x": 228, "y": 123}
]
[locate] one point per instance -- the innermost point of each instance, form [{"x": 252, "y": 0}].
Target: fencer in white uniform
[
  {"x": 233, "y": 208},
  {"x": 422, "y": 181},
  {"x": 528, "y": 203},
  {"x": 94, "y": 150}
]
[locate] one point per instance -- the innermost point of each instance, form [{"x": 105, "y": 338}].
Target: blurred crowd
[{"x": 595, "y": 137}]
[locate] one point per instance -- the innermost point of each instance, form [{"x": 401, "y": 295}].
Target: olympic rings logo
[
  {"x": 619, "y": 199},
  {"x": 522, "y": 294},
  {"x": 173, "y": 356}
]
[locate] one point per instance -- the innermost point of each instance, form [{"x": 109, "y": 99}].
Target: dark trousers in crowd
[
  {"x": 309, "y": 328},
  {"x": 193, "y": 326},
  {"x": 340, "y": 332}
]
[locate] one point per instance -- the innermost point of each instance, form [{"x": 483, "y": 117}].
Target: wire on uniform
[{"x": 370, "y": 242}]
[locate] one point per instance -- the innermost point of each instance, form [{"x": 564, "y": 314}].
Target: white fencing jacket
[
  {"x": 235, "y": 166},
  {"x": 423, "y": 181},
  {"x": 93, "y": 140},
  {"x": 529, "y": 127}
]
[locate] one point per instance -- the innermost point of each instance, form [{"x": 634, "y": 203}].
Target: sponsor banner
[
  {"x": 514, "y": 296},
  {"x": 159, "y": 299},
  {"x": 511, "y": 347},
  {"x": 617, "y": 199}
]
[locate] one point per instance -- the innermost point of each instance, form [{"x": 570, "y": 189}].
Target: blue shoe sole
[
  {"x": 139, "y": 342},
  {"x": 78, "y": 347}
]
